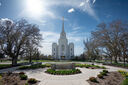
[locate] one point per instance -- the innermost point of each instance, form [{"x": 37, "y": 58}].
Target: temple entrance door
[{"x": 63, "y": 57}]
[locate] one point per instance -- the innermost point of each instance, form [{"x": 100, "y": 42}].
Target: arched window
[{"x": 62, "y": 47}]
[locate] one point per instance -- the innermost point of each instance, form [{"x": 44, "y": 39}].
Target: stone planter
[{"x": 62, "y": 66}]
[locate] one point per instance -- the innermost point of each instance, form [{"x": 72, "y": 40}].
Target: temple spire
[{"x": 63, "y": 24}]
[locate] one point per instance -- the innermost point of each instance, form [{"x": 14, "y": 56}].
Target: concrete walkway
[{"x": 77, "y": 79}]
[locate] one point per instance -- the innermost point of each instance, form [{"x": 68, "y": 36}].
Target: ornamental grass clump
[
  {"x": 93, "y": 79},
  {"x": 106, "y": 71},
  {"x": 100, "y": 76},
  {"x": 21, "y": 73},
  {"x": 32, "y": 81},
  {"x": 103, "y": 73},
  {"x": 23, "y": 77}
]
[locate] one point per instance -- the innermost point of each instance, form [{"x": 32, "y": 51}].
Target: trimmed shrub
[
  {"x": 100, "y": 76},
  {"x": 23, "y": 77},
  {"x": 63, "y": 72},
  {"x": 32, "y": 81},
  {"x": 103, "y": 73},
  {"x": 21, "y": 73},
  {"x": 93, "y": 79},
  {"x": 106, "y": 71},
  {"x": 103, "y": 67}
]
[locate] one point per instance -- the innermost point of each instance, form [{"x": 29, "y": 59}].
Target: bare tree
[
  {"x": 91, "y": 49},
  {"x": 109, "y": 36},
  {"x": 16, "y": 35}
]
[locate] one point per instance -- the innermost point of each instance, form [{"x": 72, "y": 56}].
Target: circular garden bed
[{"x": 63, "y": 72}]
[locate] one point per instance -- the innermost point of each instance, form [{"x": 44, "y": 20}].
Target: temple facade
[{"x": 63, "y": 50}]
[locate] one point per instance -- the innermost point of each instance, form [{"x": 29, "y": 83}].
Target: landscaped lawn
[{"x": 5, "y": 66}]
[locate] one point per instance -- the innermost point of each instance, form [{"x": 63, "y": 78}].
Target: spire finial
[{"x": 63, "y": 24}]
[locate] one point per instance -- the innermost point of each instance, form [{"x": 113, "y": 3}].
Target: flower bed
[
  {"x": 16, "y": 79},
  {"x": 107, "y": 78},
  {"x": 63, "y": 72},
  {"x": 125, "y": 74}
]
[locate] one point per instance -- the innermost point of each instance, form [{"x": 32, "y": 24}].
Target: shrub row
[
  {"x": 34, "y": 66},
  {"x": 63, "y": 72},
  {"x": 88, "y": 65}
]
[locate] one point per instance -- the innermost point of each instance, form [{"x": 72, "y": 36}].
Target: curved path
[{"x": 77, "y": 79}]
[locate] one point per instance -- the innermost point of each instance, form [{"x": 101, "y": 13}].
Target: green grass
[
  {"x": 125, "y": 82},
  {"x": 4, "y": 66},
  {"x": 125, "y": 74}
]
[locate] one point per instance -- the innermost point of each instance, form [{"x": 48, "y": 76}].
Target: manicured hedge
[
  {"x": 34, "y": 66},
  {"x": 63, "y": 72},
  {"x": 89, "y": 65}
]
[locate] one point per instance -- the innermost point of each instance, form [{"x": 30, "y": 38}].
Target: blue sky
[{"x": 81, "y": 17}]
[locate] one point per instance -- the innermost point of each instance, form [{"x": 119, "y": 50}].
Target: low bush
[
  {"x": 106, "y": 71},
  {"x": 100, "y": 76},
  {"x": 32, "y": 81},
  {"x": 63, "y": 72},
  {"x": 23, "y": 77},
  {"x": 103, "y": 73},
  {"x": 93, "y": 79},
  {"x": 103, "y": 67},
  {"x": 21, "y": 73}
]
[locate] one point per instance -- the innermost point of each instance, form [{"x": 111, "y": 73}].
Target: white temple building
[{"x": 63, "y": 51}]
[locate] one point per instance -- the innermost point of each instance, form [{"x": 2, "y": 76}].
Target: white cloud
[
  {"x": 0, "y": 4},
  {"x": 82, "y": 4},
  {"x": 94, "y": 1},
  {"x": 71, "y": 10}
]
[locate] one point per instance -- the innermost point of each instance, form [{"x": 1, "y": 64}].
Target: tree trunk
[
  {"x": 116, "y": 59},
  {"x": 30, "y": 59},
  {"x": 124, "y": 61},
  {"x": 14, "y": 61},
  {"x": 111, "y": 60}
]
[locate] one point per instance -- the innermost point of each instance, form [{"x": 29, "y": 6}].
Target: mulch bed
[
  {"x": 13, "y": 79},
  {"x": 112, "y": 78}
]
